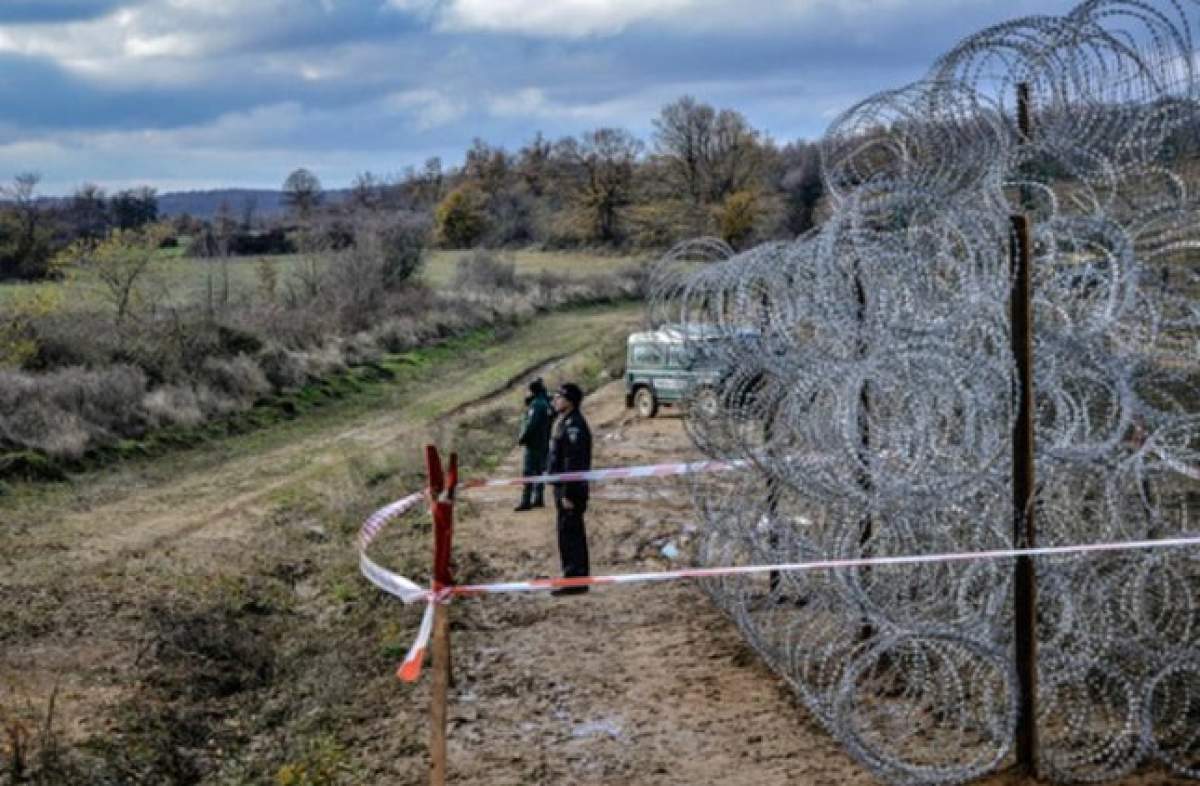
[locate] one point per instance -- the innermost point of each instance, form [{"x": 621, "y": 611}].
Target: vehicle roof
[{"x": 678, "y": 334}]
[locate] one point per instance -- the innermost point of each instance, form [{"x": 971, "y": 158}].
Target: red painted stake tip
[{"x": 410, "y": 670}]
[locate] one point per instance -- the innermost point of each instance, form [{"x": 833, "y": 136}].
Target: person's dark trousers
[
  {"x": 533, "y": 494},
  {"x": 572, "y": 537}
]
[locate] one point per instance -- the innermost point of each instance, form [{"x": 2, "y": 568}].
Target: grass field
[{"x": 186, "y": 280}]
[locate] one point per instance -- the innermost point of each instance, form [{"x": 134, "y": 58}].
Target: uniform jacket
[
  {"x": 571, "y": 451},
  {"x": 535, "y": 429}
]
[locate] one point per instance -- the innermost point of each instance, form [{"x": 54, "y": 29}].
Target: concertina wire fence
[{"x": 870, "y": 384}]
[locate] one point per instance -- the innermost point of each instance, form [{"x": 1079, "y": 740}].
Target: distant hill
[
  {"x": 267, "y": 203},
  {"x": 205, "y": 204}
]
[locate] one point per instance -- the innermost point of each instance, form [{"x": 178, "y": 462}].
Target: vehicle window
[
  {"x": 647, "y": 355},
  {"x": 678, "y": 357}
]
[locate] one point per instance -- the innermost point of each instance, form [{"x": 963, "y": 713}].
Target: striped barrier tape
[
  {"x": 615, "y": 473},
  {"x": 410, "y": 592}
]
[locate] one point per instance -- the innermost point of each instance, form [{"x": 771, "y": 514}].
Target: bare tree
[
  {"x": 134, "y": 207},
  {"x": 534, "y": 164},
  {"x": 249, "y": 209},
  {"x": 798, "y": 169},
  {"x": 87, "y": 213},
  {"x": 24, "y": 239},
  {"x": 487, "y": 166},
  {"x": 302, "y": 192},
  {"x": 600, "y": 167},
  {"x": 366, "y": 192},
  {"x": 682, "y": 139},
  {"x": 123, "y": 263},
  {"x": 735, "y": 158},
  {"x": 707, "y": 155}
]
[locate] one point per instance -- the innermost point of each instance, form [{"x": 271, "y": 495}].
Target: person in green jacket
[{"x": 535, "y": 438}]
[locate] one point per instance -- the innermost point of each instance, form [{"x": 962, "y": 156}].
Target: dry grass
[
  {"x": 270, "y": 661},
  {"x": 187, "y": 280}
]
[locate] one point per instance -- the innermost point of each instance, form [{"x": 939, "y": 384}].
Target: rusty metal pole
[
  {"x": 1024, "y": 476},
  {"x": 441, "y": 491}
]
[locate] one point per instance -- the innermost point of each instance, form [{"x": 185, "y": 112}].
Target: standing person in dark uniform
[
  {"x": 571, "y": 451},
  {"x": 535, "y": 438}
]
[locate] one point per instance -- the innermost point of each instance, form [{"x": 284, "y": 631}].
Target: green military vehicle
[{"x": 671, "y": 366}]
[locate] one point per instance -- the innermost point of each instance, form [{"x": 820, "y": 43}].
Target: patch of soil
[{"x": 646, "y": 684}]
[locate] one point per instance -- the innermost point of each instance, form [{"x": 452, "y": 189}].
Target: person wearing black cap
[
  {"x": 571, "y": 451},
  {"x": 535, "y": 438}
]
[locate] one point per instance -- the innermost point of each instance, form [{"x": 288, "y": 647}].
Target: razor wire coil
[{"x": 866, "y": 372}]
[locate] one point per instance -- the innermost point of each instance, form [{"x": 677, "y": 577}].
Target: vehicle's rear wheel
[
  {"x": 645, "y": 402},
  {"x": 704, "y": 402}
]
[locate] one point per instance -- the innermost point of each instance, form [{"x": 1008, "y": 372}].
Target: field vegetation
[
  {"x": 229, "y": 637},
  {"x": 135, "y": 350}
]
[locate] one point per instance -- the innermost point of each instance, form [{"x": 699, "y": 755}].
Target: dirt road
[{"x": 647, "y": 685}]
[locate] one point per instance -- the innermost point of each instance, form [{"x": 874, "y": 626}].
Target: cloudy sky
[{"x": 182, "y": 94}]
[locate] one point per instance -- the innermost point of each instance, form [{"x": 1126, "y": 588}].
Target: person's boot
[{"x": 524, "y": 503}]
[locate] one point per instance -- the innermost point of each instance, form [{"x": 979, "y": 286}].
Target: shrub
[
  {"x": 239, "y": 378},
  {"x": 15, "y": 389},
  {"x": 360, "y": 349},
  {"x": 40, "y": 425},
  {"x": 72, "y": 339},
  {"x": 399, "y": 334},
  {"x": 737, "y": 216},
  {"x": 172, "y": 405},
  {"x": 284, "y": 370},
  {"x": 108, "y": 401},
  {"x": 236, "y": 341},
  {"x": 401, "y": 248},
  {"x": 324, "y": 361},
  {"x": 18, "y": 332},
  {"x": 485, "y": 272},
  {"x": 64, "y": 413},
  {"x": 461, "y": 217}
]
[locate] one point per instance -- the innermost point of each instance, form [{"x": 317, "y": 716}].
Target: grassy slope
[
  {"x": 186, "y": 279},
  {"x": 191, "y": 575},
  {"x": 421, "y": 390}
]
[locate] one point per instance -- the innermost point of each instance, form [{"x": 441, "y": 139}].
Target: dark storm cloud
[
  {"x": 353, "y": 85},
  {"x": 15, "y": 12}
]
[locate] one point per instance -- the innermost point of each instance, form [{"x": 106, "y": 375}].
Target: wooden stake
[
  {"x": 865, "y": 481},
  {"x": 441, "y": 490},
  {"x": 439, "y": 696},
  {"x": 1024, "y": 472}
]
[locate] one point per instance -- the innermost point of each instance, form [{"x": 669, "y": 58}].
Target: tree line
[
  {"x": 33, "y": 231},
  {"x": 705, "y": 171}
]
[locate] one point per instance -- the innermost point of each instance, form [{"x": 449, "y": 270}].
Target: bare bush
[
  {"x": 324, "y": 361},
  {"x": 107, "y": 399},
  {"x": 41, "y": 426},
  {"x": 285, "y": 370},
  {"x": 400, "y": 244},
  {"x": 64, "y": 413},
  {"x": 484, "y": 271},
  {"x": 215, "y": 404},
  {"x": 239, "y": 378},
  {"x": 360, "y": 349},
  {"x": 398, "y": 334},
  {"x": 172, "y": 405},
  {"x": 386, "y": 254},
  {"x": 72, "y": 339}
]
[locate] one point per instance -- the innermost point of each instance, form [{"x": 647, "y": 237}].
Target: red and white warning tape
[
  {"x": 615, "y": 473},
  {"x": 410, "y": 592}
]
